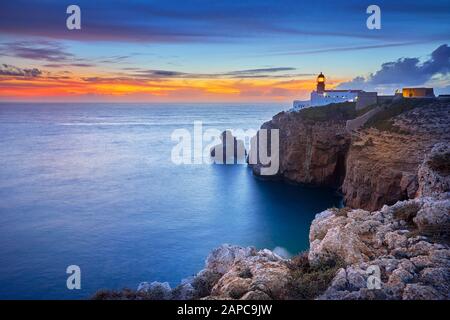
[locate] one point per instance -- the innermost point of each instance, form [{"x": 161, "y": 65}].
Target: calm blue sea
[{"x": 93, "y": 185}]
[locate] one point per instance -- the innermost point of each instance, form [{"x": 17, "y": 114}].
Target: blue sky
[{"x": 206, "y": 39}]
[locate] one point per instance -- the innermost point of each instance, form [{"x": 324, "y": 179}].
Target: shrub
[
  {"x": 246, "y": 274},
  {"x": 383, "y": 119},
  {"x": 333, "y": 111},
  {"x": 308, "y": 282},
  {"x": 440, "y": 163},
  {"x": 203, "y": 284},
  {"x": 124, "y": 294}
]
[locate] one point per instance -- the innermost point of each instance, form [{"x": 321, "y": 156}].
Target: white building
[{"x": 321, "y": 97}]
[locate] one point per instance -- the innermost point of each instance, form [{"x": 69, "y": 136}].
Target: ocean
[{"x": 94, "y": 185}]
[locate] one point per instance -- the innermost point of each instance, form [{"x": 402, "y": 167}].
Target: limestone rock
[
  {"x": 385, "y": 170},
  {"x": 411, "y": 265},
  {"x": 221, "y": 259},
  {"x": 156, "y": 290},
  {"x": 434, "y": 172},
  {"x": 230, "y": 151},
  {"x": 310, "y": 152},
  {"x": 261, "y": 274}
]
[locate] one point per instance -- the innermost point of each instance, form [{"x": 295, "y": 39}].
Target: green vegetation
[
  {"x": 124, "y": 294},
  {"x": 383, "y": 120},
  {"x": 334, "y": 111},
  {"x": 204, "y": 284},
  {"x": 366, "y": 109},
  {"x": 308, "y": 282}
]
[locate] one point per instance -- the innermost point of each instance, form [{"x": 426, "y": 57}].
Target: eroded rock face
[
  {"x": 382, "y": 165},
  {"x": 372, "y": 166},
  {"x": 434, "y": 172},
  {"x": 310, "y": 152},
  {"x": 413, "y": 264},
  {"x": 380, "y": 172}
]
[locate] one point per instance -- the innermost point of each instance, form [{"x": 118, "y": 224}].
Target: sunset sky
[{"x": 218, "y": 50}]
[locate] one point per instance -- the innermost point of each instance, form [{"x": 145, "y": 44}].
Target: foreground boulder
[
  {"x": 408, "y": 242},
  {"x": 248, "y": 274}
]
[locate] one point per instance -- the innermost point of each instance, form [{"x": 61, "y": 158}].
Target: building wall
[
  {"x": 385, "y": 99},
  {"x": 300, "y": 104},
  {"x": 366, "y": 99},
  {"x": 417, "y": 92},
  {"x": 321, "y": 99}
]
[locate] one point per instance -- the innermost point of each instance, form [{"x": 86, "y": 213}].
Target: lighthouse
[
  {"x": 320, "y": 83},
  {"x": 321, "y": 96}
]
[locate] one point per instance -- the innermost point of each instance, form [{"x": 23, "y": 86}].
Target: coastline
[{"x": 401, "y": 229}]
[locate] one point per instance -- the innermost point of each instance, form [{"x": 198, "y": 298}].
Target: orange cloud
[{"x": 123, "y": 88}]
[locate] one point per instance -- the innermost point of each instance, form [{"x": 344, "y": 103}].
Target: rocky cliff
[
  {"x": 394, "y": 245},
  {"x": 408, "y": 242},
  {"x": 374, "y": 165},
  {"x": 313, "y": 146},
  {"x": 398, "y": 252},
  {"x": 384, "y": 156}
]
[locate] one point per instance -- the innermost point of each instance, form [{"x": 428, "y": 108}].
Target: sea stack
[{"x": 230, "y": 151}]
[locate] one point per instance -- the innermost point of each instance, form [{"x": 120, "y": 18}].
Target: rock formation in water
[
  {"x": 395, "y": 244},
  {"x": 230, "y": 151}
]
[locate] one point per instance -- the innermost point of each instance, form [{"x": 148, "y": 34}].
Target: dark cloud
[
  {"x": 9, "y": 70},
  {"x": 237, "y": 74},
  {"x": 115, "y": 59},
  {"x": 212, "y": 21},
  {"x": 47, "y": 51},
  {"x": 262, "y": 70},
  {"x": 53, "y": 52},
  {"x": 405, "y": 71},
  {"x": 63, "y": 65},
  {"x": 352, "y": 48}
]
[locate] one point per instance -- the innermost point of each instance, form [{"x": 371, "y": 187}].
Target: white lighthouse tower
[{"x": 321, "y": 96}]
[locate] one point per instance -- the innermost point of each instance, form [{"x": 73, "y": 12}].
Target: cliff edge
[
  {"x": 373, "y": 165},
  {"x": 395, "y": 169},
  {"x": 401, "y": 251}
]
